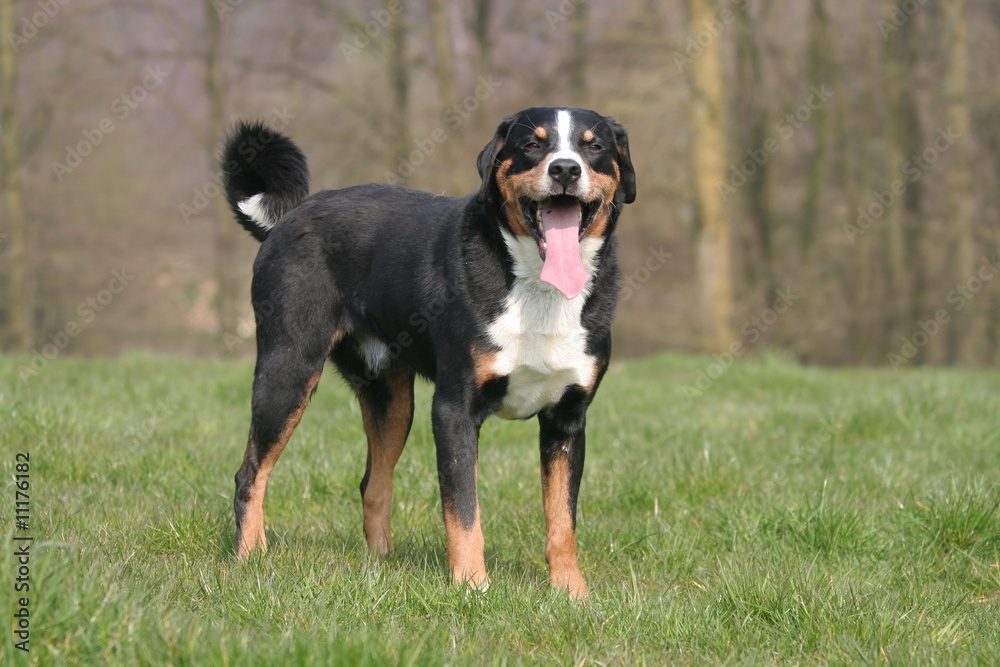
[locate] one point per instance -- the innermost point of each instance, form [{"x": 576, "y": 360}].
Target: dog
[{"x": 503, "y": 298}]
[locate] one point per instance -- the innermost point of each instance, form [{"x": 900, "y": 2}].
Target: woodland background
[{"x": 818, "y": 177}]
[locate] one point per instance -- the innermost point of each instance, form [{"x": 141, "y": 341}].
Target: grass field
[{"x": 785, "y": 515}]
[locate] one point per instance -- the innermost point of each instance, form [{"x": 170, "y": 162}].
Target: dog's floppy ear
[
  {"x": 487, "y": 161},
  {"x": 624, "y": 162}
]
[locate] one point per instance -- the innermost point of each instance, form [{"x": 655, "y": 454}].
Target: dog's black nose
[{"x": 564, "y": 171}]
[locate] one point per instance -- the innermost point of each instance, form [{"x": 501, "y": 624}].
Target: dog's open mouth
[
  {"x": 562, "y": 205},
  {"x": 558, "y": 224}
]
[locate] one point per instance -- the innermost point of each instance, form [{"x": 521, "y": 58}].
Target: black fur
[{"x": 258, "y": 160}]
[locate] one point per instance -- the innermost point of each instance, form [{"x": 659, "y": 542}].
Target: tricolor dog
[{"x": 503, "y": 298}]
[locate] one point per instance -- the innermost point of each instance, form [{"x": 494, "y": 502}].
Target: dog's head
[{"x": 559, "y": 176}]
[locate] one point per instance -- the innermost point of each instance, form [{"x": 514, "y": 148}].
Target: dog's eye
[
  {"x": 595, "y": 148},
  {"x": 531, "y": 146}
]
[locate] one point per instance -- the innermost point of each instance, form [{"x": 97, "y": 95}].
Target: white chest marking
[{"x": 541, "y": 339}]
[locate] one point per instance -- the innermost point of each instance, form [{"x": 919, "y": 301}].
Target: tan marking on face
[
  {"x": 541, "y": 133},
  {"x": 386, "y": 440},
  {"x": 606, "y": 186},
  {"x": 588, "y": 136},
  {"x": 512, "y": 188},
  {"x": 251, "y": 534},
  {"x": 466, "y": 551},
  {"x": 560, "y": 535}
]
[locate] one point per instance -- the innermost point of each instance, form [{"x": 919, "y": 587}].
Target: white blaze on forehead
[
  {"x": 565, "y": 124},
  {"x": 564, "y": 130}
]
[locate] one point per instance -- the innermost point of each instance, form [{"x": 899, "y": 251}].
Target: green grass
[{"x": 786, "y": 515}]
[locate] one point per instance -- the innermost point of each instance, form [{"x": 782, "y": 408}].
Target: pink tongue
[{"x": 563, "y": 266}]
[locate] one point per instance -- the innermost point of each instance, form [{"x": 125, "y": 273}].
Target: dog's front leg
[
  {"x": 563, "y": 444},
  {"x": 456, "y": 437}
]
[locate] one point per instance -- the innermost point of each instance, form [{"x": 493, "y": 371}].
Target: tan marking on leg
[
  {"x": 385, "y": 444},
  {"x": 251, "y": 535},
  {"x": 560, "y": 536},
  {"x": 466, "y": 551},
  {"x": 600, "y": 367},
  {"x": 485, "y": 362},
  {"x": 541, "y": 133}
]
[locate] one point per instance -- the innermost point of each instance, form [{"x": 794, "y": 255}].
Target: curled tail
[{"x": 265, "y": 176}]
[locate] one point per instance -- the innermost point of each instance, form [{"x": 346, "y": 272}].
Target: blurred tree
[
  {"x": 905, "y": 224},
  {"x": 855, "y": 159},
  {"x": 226, "y": 235},
  {"x": 20, "y": 308},
  {"x": 753, "y": 132},
  {"x": 444, "y": 54},
  {"x": 399, "y": 77},
  {"x": 577, "y": 63},
  {"x": 962, "y": 331},
  {"x": 896, "y": 306},
  {"x": 709, "y": 155},
  {"x": 444, "y": 74},
  {"x": 820, "y": 67},
  {"x": 484, "y": 8}
]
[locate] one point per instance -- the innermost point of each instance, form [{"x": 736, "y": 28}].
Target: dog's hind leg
[
  {"x": 285, "y": 378},
  {"x": 386, "y": 400},
  {"x": 387, "y": 410}
]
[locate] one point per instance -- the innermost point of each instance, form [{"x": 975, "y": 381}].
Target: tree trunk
[
  {"x": 709, "y": 153},
  {"x": 820, "y": 68},
  {"x": 225, "y": 232},
  {"x": 854, "y": 160},
  {"x": 399, "y": 76},
  {"x": 578, "y": 55},
  {"x": 444, "y": 71},
  {"x": 962, "y": 333},
  {"x": 20, "y": 292},
  {"x": 753, "y": 134},
  {"x": 910, "y": 137},
  {"x": 482, "y": 29},
  {"x": 896, "y": 302}
]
